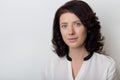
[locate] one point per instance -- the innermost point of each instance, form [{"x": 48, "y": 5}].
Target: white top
[{"x": 98, "y": 67}]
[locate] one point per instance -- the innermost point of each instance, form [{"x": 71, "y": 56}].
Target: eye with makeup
[
  {"x": 64, "y": 26},
  {"x": 77, "y": 24}
]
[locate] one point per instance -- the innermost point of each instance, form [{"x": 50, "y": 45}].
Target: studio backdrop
[{"x": 26, "y": 33}]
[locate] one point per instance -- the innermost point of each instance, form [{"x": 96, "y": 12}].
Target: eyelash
[
  {"x": 64, "y": 26},
  {"x": 77, "y": 24}
]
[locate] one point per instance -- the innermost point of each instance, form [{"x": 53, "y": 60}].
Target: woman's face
[{"x": 72, "y": 30}]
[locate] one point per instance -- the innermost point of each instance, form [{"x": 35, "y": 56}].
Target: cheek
[
  {"x": 82, "y": 33},
  {"x": 63, "y": 34}
]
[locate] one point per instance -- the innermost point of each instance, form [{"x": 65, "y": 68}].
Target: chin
[{"x": 75, "y": 46}]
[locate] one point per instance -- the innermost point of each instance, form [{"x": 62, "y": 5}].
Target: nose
[{"x": 71, "y": 31}]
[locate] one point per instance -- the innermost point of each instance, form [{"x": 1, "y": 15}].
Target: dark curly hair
[{"x": 94, "y": 40}]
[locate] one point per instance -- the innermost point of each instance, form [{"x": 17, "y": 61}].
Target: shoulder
[
  {"x": 55, "y": 62},
  {"x": 107, "y": 65},
  {"x": 103, "y": 62},
  {"x": 53, "y": 66},
  {"x": 104, "y": 59}
]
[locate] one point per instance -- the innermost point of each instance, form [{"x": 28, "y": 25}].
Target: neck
[{"x": 77, "y": 53}]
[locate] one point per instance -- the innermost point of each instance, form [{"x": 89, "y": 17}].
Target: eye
[
  {"x": 77, "y": 24},
  {"x": 64, "y": 26}
]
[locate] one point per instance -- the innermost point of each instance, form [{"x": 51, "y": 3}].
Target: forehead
[{"x": 68, "y": 17}]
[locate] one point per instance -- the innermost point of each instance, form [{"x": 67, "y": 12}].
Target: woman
[{"x": 79, "y": 45}]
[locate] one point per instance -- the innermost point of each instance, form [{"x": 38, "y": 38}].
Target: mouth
[{"x": 72, "y": 39}]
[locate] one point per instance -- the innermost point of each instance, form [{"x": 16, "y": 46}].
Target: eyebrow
[
  {"x": 64, "y": 23},
  {"x": 73, "y": 22},
  {"x": 77, "y": 21}
]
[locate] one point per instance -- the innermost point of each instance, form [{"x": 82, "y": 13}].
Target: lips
[{"x": 72, "y": 39}]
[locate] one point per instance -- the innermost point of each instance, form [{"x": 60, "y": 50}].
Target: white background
[{"x": 26, "y": 32}]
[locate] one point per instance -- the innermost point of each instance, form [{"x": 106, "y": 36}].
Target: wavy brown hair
[{"x": 94, "y": 40}]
